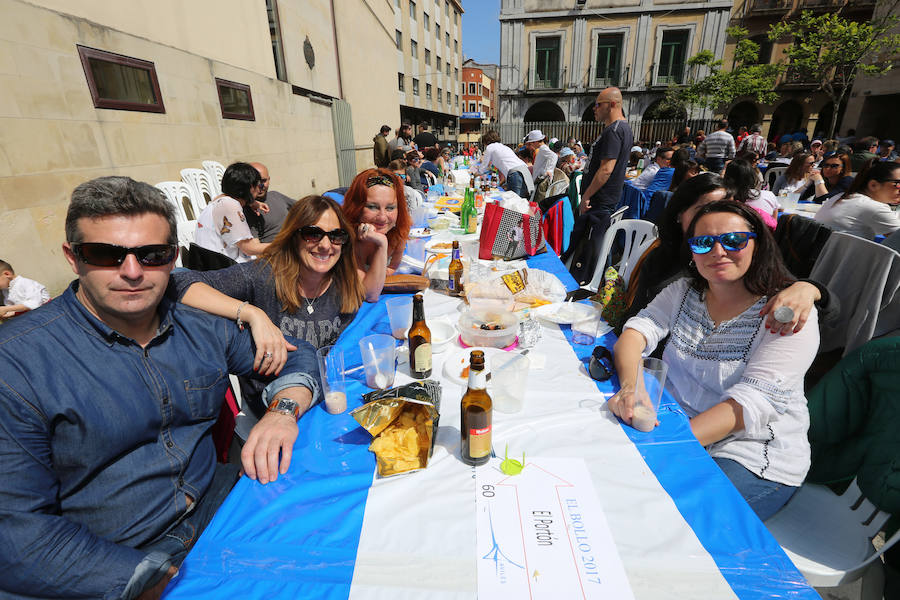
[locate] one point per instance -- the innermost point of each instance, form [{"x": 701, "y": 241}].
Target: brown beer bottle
[
  {"x": 475, "y": 414},
  {"x": 472, "y": 181},
  {"x": 419, "y": 342},
  {"x": 454, "y": 284}
]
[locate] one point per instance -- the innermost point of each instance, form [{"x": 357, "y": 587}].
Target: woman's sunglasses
[
  {"x": 110, "y": 255},
  {"x": 735, "y": 240},
  {"x": 311, "y": 233}
]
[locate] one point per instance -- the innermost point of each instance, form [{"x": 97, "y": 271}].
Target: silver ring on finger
[
  {"x": 784, "y": 314},
  {"x": 268, "y": 355}
]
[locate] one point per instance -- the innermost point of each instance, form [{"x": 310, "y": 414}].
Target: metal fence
[{"x": 646, "y": 131}]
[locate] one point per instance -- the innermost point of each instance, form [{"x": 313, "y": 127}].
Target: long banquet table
[{"x": 330, "y": 529}]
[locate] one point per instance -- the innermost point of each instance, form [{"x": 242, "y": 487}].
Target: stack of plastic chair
[
  {"x": 179, "y": 195},
  {"x": 215, "y": 170},
  {"x": 201, "y": 186}
]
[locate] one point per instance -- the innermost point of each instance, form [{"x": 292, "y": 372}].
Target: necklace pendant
[{"x": 309, "y": 309}]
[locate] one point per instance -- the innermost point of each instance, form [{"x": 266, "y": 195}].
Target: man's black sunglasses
[
  {"x": 311, "y": 233},
  {"x": 110, "y": 255}
]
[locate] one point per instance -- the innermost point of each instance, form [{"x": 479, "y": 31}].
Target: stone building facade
[{"x": 556, "y": 55}]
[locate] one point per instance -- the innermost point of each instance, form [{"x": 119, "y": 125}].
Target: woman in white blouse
[
  {"x": 866, "y": 210},
  {"x": 799, "y": 175},
  {"x": 222, "y": 226},
  {"x": 741, "y": 387}
]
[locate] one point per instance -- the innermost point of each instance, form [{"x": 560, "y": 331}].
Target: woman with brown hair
[
  {"x": 305, "y": 284},
  {"x": 799, "y": 174},
  {"x": 835, "y": 178},
  {"x": 865, "y": 210},
  {"x": 375, "y": 206},
  {"x": 741, "y": 388}
]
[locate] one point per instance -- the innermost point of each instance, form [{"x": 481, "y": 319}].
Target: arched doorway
[
  {"x": 787, "y": 118},
  {"x": 823, "y": 123},
  {"x": 743, "y": 114},
  {"x": 588, "y": 115},
  {"x": 544, "y": 111},
  {"x": 661, "y": 122}
]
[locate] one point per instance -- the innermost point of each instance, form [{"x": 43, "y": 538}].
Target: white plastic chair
[
  {"x": 179, "y": 194},
  {"x": 829, "y": 537},
  {"x": 772, "y": 174},
  {"x": 638, "y": 237},
  {"x": 617, "y": 216},
  {"x": 201, "y": 185},
  {"x": 215, "y": 170},
  {"x": 578, "y": 188}
]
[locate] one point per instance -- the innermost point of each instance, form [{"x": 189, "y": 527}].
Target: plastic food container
[{"x": 470, "y": 322}]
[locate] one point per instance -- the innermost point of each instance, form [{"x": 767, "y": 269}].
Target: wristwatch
[{"x": 283, "y": 406}]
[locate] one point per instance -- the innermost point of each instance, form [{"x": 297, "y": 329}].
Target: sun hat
[{"x": 534, "y": 135}]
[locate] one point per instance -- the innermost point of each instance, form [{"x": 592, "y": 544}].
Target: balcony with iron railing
[
  {"x": 551, "y": 81},
  {"x": 794, "y": 78},
  {"x": 761, "y": 8}
]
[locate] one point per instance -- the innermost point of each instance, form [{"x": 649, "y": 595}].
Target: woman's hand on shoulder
[
  {"x": 799, "y": 298},
  {"x": 271, "y": 347},
  {"x": 366, "y": 233}
]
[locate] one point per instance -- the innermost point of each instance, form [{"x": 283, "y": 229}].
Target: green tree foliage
[
  {"x": 831, "y": 51},
  {"x": 720, "y": 87}
]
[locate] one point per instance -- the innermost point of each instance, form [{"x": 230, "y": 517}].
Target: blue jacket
[{"x": 101, "y": 440}]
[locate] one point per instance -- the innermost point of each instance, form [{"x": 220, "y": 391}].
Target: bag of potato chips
[{"x": 403, "y": 422}]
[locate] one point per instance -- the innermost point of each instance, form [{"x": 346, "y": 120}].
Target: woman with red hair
[{"x": 376, "y": 207}]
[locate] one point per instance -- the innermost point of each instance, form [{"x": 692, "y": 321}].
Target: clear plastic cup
[
  {"x": 379, "y": 360},
  {"x": 469, "y": 249},
  {"x": 415, "y": 248},
  {"x": 400, "y": 316},
  {"x": 648, "y": 393},
  {"x": 509, "y": 378},
  {"x": 331, "y": 372},
  {"x": 584, "y": 331}
]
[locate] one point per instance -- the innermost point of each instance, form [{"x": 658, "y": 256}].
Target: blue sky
[{"x": 481, "y": 30}]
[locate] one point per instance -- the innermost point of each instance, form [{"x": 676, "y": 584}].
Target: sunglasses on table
[
  {"x": 379, "y": 180},
  {"x": 311, "y": 233},
  {"x": 734, "y": 240},
  {"x": 110, "y": 255}
]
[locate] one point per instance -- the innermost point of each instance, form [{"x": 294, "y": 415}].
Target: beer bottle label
[
  {"x": 479, "y": 442},
  {"x": 423, "y": 358}
]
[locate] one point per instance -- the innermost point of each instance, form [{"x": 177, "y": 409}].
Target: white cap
[
  {"x": 553, "y": 140},
  {"x": 637, "y": 149},
  {"x": 534, "y": 135}
]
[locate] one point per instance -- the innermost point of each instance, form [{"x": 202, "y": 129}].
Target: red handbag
[{"x": 509, "y": 234}]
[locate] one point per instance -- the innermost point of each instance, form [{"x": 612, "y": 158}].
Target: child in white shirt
[{"x": 19, "y": 294}]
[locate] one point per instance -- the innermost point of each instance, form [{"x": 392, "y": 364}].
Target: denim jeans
[
  {"x": 764, "y": 497},
  {"x": 182, "y": 536},
  {"x": 516, "y": 183},
  {"x": 714, "y": 164}
]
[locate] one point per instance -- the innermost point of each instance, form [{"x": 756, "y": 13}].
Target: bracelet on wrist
[{"x": 237, "y": 318}]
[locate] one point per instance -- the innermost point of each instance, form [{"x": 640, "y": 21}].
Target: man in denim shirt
[{"x": 107, "y": 397}]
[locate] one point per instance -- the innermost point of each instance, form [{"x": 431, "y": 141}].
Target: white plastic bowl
[{"x": 442, "y": 333}]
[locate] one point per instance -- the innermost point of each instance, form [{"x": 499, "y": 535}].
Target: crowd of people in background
[{"x": 297, "y": 271}]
